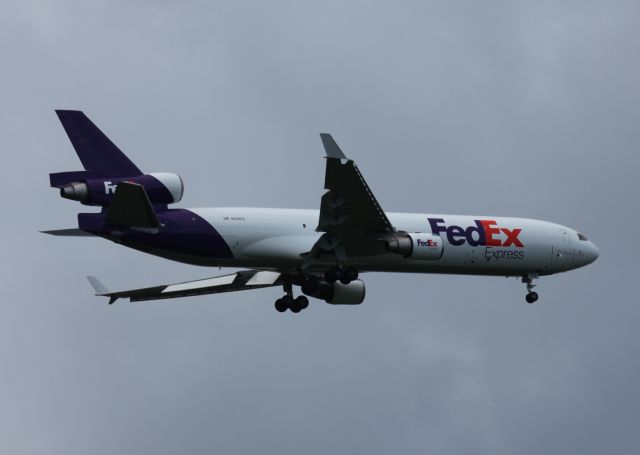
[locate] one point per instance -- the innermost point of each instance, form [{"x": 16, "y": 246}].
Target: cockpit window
[{"x": 582, "y": 237}]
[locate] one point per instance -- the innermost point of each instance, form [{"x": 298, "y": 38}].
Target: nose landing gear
[{"x": 531, "y": 297}]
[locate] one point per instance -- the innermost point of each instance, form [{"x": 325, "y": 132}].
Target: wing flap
[
  {"x": 263, "y": 278},
  {"x": 201, "y": 284}
]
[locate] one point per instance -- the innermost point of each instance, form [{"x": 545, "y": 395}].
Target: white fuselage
[{"x": 266, "y": 238}]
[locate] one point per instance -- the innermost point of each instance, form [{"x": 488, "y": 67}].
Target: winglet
[
  {"x": 101, "y": 289},
  {"x": 330, "y": 146},
  {"x": 97, "y": 286}
]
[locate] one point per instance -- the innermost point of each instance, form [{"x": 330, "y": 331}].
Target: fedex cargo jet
[{"x": 323, "y": 252}]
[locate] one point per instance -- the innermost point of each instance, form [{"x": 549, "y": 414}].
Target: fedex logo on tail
[
  {"x": 485, "y": 233},
  {"x": 110, "y": 188}
]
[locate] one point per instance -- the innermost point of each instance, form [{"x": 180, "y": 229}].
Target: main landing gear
[
  {"x": 289, "y": 303},
  {"x": 531, "y": 297},
  {"x": 296, "y": 305},
  {"x": 321, "y": 287},
  {"x": 345, "y": 276}
]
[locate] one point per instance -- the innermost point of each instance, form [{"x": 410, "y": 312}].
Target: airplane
[{"x": 323, "y": 252}]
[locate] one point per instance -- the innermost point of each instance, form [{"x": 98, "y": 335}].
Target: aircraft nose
[{"x": 592, "y": 253}]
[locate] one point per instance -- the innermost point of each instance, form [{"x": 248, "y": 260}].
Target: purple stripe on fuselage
[{"x": 182, "y": 232}]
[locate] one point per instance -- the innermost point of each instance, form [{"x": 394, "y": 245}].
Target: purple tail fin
[{"x": 99, "y": 156}]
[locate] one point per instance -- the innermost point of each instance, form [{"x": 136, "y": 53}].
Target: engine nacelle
[
  {"x": 161, "y": 187},
  {"x": 336, "y": 293},
  {"x": 348, "y": 294},
  {"x": 415, "y": 245}
]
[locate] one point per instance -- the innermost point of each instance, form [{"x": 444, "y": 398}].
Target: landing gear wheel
[
  {"x": 348, "y": 275},
  {"x": 331, "y": 276},
  {"x": 302, "y": 302},
  {"x": 281, "y": 306},
  {"x": 298, "y": 304},
  {"x": 345, "y": 276},
  {"x": 532, "y": 297}
]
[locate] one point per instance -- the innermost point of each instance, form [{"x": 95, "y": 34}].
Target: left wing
[{"x": 240, "y": 281}]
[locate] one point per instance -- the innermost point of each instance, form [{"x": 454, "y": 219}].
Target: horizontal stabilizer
[
  {"x": 131, "y": 207},
  {"x": 243, "y": 280},
  {"x": 68, "y": 232}
]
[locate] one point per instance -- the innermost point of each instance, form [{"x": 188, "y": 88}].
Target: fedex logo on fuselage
[{"x": 485, "y": 233}]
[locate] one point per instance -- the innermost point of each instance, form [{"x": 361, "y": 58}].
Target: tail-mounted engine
[
  {"x": 416, "y": 245},
  {"x": 161, "y": 188},
  {"x": 105, "y": 166}
]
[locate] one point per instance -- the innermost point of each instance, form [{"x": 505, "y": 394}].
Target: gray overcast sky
[{"x": 503, "y": 107}]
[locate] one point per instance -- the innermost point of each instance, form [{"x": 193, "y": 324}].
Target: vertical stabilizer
[{"x": 97, "y": 153}]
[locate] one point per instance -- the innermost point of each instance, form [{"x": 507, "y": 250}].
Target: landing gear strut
[
  {"x": 287, "y": 302},
  {"x": 531, "y": 297}
]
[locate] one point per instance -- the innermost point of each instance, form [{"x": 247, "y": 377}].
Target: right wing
[
  {"x": 349, "y": 205},
  {"x": 351, "y": 218},
  {"x": 240, "y": 281}
]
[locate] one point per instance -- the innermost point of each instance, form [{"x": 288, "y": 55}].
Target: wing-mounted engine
[
  {"x": 161, "y": 187},
  {"x": 336, "y": 293},
  {"x": 348, "y": 294},
  {"x": 416, "y": 245}
]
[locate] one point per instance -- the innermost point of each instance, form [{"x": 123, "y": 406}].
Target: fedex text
[{"x": 483, "y": 232}]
